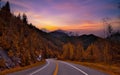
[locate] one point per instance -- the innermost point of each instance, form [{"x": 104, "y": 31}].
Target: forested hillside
[{"x": 22, "y": 41}]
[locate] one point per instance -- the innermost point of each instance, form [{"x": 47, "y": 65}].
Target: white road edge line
[
  {"x": 74, "y": 67},
  {"x": 40, "y": 68}
]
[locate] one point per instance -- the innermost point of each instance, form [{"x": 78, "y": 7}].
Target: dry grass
[
  {"x": 109, "y": 69},
  {"x": 20, "y": 68}
]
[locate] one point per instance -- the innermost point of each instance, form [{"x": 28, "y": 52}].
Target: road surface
[{"x": 54, "y": 67}]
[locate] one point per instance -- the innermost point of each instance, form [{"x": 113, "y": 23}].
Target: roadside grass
[
  {"x": 21, "y": 68},
  {"x": 109, "y": 69}
]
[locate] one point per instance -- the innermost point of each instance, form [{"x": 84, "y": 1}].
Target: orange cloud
[{"x": 85, "y": 25}]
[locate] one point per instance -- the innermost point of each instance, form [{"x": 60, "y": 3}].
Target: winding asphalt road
[{"x": 62, "y": 68}]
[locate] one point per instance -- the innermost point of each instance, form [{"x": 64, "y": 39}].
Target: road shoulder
[
  {"x": 109, "y": 69},
  {"x": 18, "y": 69}
]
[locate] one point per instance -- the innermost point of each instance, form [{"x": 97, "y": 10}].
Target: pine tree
[
  {"x": 5, "y": 12},
  {"x": 79, "y": 52},
  {"x": 89, "y": 53},
  {"x": 65, "y": 52},
  {"x": 19, "y": 16},
  {"x": 24, "y": 19},
  {"x": 71, "y": 49},
  {"x": 68, "y": 51},
  {"x": 107, "y": 55},
  {"x": 6, "y": 8}
]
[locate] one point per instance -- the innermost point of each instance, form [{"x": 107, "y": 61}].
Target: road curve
[
  {"x": 63, "y": 68},
  {"x": 46, "y": 69}
]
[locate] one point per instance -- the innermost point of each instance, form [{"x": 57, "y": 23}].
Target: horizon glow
[{"x": 81, "y": 16}]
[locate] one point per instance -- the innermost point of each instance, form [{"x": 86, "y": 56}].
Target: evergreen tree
[
  {"x": 19, "y": 16},
  {"x": 65, "y": 52},
  {"x": 6, "y": 8},
  {"x": 68, "y": 51},
  {"x": 79, "y": 52},
  {"x": 24, "y": 18},
  {"x": 5, "y": 12},
  {"x": 71, "y": 50}
]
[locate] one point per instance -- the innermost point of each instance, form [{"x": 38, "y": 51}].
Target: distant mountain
[
  {"x": 44, "y": 30},
  {"x": 86, "y": 40},
  {"x": 60, "y": 35}
]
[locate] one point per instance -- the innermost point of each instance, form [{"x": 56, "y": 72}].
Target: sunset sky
[{"x": 82, "y": 16}]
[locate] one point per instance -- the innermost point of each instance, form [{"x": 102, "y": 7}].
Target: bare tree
[{"x": 108, "y": 29}]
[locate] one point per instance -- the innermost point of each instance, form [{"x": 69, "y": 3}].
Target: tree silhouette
[
  {"x": 24, "y": 18},
  {"x": 19, "y": 16},
  {"x": 108, "y": 27},
  {"x": 6, "y": 8},
  {"x": 109, "y": 30}
]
